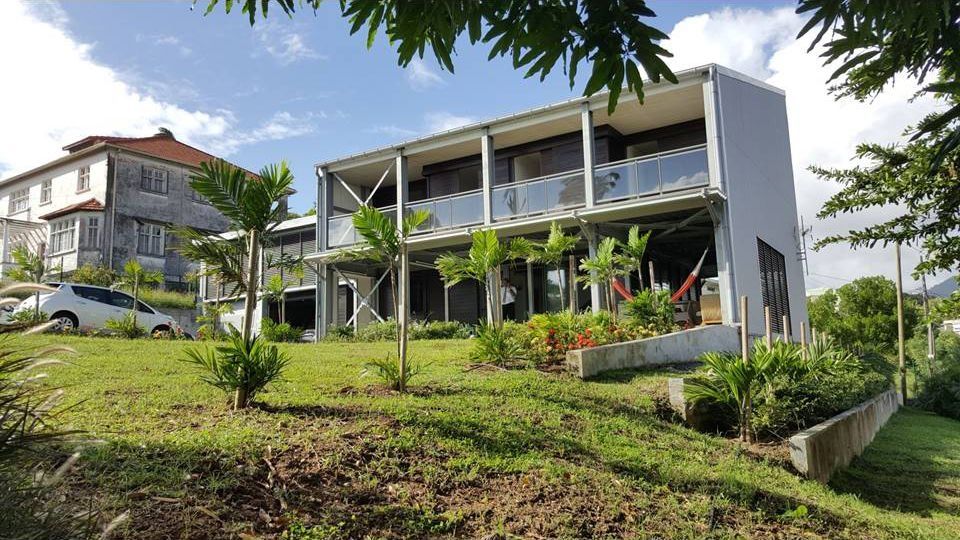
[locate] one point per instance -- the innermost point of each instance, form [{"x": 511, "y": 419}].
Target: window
[
  {"x": 95, "y": 294},
  {"x": 469, "y": 178},
  {"x": 196, "y": 197},
  {"x": 19, "y": 200},
  {"x": 153, "y": 179},
  {"x": 83, "y": 179},
  {"x": 46, "y": 191},
  {"x": 526, "y": 167},
  {"x": 773, "y": 284},
  {"x": 125, "y": 301},
  {"x": 62, "y": 235},
  {"x": 93, "y": 232},
  {"x": 150, "y": 239}
]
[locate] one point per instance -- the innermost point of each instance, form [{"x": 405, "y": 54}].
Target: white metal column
[
  {"x": 403, "y": 300},
  {"x": 589, "y": 151},
  {"x": 593, "y": 241},
  {"x": 488, "y": 172},
  {"x": 530, "y": 308}
]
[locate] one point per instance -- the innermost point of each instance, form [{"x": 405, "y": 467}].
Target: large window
[
  {"x": 83, "y": 179},
  {"x": 19, "y": 200},
  {"x": 773, "y": 283},
  {"x": 150, "y": 239},
  {"x": 62, "y": 234},
  {"x": 526, "y": 167},
  {"x": 93, "y": 232},
  {"x": 46, "y": 191},
  {"x": 153, "y": 179}
]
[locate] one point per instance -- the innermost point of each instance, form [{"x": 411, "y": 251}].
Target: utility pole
[
  {"x": 931, "y": 348},
  {"x": 901, "y": 353}
]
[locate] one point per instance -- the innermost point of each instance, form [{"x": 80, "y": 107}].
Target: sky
[{"x": 304, "y": 90}]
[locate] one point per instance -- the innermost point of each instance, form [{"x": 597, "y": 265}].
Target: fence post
[
  {"x": 786, "y": 329},
  {"x": 803, "y": 339},
  {"x": 745, "y": 351},
  {"x": 768, "y": 323}
]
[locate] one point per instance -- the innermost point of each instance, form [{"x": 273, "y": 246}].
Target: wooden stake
[
  {"x": 745, "y": 433},
  {"x": 653, "y": 278},
  {"x": 901, "y": 353},
  {"x": 768, "y": 323},
  {"x": 813, "y": 334},
  {"x": 786, "y": 329},
  {"x": 803, "y": 339}
]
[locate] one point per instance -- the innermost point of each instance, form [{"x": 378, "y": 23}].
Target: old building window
[
  {"x": 150, "y": 239},
  {"x": 93, "y": 232},
  {"x": 19, "y": 200},
  {"x": 196, "y": 197},
  {"x": 153, "y": 179},
  {"x": 773, "y": 283},
  {"x": 46, "y": 191},
  {"x": 526, "y": 167},
  {"x": 62, "y": 234},
  {"x": 83, "y": 179}
]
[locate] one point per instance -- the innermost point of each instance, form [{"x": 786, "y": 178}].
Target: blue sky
[
  {"x": 304, "y": 90},
  {"x": 351, "y": 98}
]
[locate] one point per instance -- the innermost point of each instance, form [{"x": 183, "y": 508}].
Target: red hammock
[{"x": 691, "y": 279}]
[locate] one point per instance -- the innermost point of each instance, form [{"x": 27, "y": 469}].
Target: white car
[{"x": 75, "y": 305}]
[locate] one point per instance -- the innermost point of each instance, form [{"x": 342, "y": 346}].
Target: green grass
[
  {"x": 161, "y": 299},
  {"x": 467, "y": 453}
]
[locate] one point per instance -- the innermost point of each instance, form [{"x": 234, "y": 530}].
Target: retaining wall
[
  {"x": 819, "y": 451},
  {"x": 676, "y": 348}
]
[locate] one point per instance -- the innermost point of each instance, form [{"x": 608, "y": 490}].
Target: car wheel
[
  {"x": 65, "y": 321},
  {"x": 160, "y": 328}
]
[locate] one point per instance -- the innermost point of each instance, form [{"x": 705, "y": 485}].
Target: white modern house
[{"x": 705, "y": 164}]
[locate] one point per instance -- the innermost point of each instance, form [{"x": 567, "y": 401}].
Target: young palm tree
[
  {"x": 31, "y": 268},
  {"x": 552, "y": 253},
  {"x": 252, "y": 207},
  {"x": 133, "y": 277},
  {"x": 602, "y": 268},
  {"x": 482, "y": 263},
  {"x": 634, "y": 250},
  {"x": 386, "y": 243}
]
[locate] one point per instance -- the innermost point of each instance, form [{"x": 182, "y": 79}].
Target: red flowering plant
[{"x": 551, "y": 335}]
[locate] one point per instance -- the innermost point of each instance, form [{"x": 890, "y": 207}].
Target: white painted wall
[
  {"x": 64, "y": 187},
  {"x": 758, "y": 179}
]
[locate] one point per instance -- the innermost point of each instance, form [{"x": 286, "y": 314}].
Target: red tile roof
[
  {"x": 162, "y": 145},
  {"x": 89, "y": 205}
]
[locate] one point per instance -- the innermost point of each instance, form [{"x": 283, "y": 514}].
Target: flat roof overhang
[{"x": 664, "y": 104}]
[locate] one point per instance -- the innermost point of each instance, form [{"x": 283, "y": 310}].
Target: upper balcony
[
  {"x": 525, "y": 168},
  {"x": 637, "y": 178}
]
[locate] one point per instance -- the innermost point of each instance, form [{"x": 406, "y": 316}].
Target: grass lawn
[{"x": 467, "y": 453}]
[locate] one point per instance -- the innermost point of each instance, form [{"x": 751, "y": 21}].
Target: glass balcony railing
[
  {"x": 460, "y": 210},
  {"x": 538, "y": 196},
  {"x": 623, "y": 180},
  {"x": 653, "y": 175}
]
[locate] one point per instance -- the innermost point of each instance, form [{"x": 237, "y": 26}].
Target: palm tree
[
  {"x": 31, "y": 268},
  {"x": 602, "y": 268},
  {"x": 482, "y": 264},
  {"x": 133, "y": 277},
  {"x": 385, "y": 243},
  {"x": 634, "y": 250},
  {"x": 553, "y": 251},
  {"x": 252, "y": 206}
]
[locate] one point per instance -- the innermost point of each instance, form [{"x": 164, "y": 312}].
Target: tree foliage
[
  {"x": 863, "y": 314},
  {"x": 552, "y": 252},
  {"x": 905, "y": 177},
  {"x": 610, "y": 37}
]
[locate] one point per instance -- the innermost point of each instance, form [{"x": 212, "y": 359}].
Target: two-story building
[
  {"x": 704, "y": 164},
  {"x": 109, "y": 199}
]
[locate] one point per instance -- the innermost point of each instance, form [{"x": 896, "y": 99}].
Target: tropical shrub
[
  {"x": 499, "y": 345},
  {"x": 340, "y": 332},
  {"x": 650, "y": 312},
  {"x": 550, "y": 335},
  {"x": 378, "y": 331},
  {"x": 279, "y": 332},
  {"x": 126, "y": 326},
  {"x": 940, "y": 392},
  {"x": 439, "y": 330},
  {"x": 93, "y": 274},
  {"x": 28, "y": 317},
  {"x": 388, "y": 371},
  {"x": 210, "y": 319},
  {"x": 242, "y": 366}
]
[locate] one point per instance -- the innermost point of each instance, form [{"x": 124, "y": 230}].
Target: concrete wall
[
  {"x": 819, "y": 451},
  {"x": 186, "y": 318},
  {"x": 131, "y": 204},
  {"x": 676, "y": 348},
  {"x": 754, "y": 158}
]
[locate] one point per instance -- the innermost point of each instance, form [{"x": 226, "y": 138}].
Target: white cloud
[
  {"x": 163, "y": 40},
  {"x": 74, "y": 96},
  {"x": 420, "y": 77},
  {"x": 442, "y": 121},
  {"x": 391, "y": 131},
  {"x": 823, "y": 131},
  {"x": 283, "y": 43}
]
